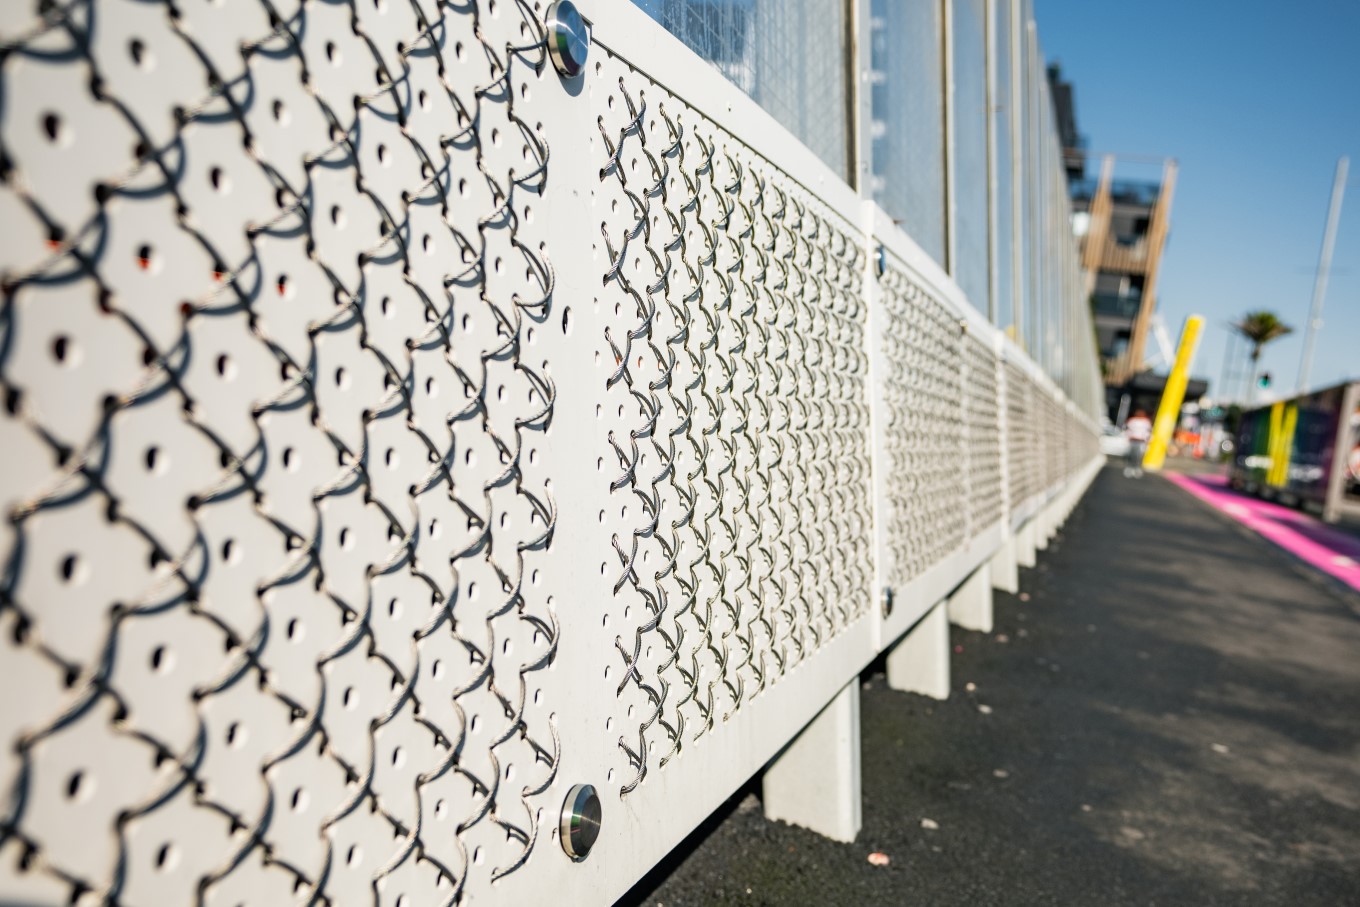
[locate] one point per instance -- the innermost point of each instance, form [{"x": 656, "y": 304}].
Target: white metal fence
[{"x": 397, "y": 435}]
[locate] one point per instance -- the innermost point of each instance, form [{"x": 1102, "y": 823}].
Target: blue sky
[{"x": 1256, "y": 101}]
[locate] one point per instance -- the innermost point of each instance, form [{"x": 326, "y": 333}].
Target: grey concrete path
[{"x": 1168, "y": 713}]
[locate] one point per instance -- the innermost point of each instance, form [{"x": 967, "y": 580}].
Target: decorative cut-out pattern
[
  {"x": 982, "y": 434},
  {"x": 1022, "y": 454},
  {"x": 925, "y": 433},
  {"x": 741, "y": 448},
  {"x": 281, "y": 560},
  {"x": 270, "y": 521}
]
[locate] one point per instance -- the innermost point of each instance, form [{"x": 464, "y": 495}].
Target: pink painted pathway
[{"x": 1312, "y": 541}]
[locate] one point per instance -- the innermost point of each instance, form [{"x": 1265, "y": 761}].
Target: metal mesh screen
[
  {"x": 1002, "y": 124},
  {"x": 907, "y": 99},
  {"x": 972, "y": 244},
  {"x": 788, "y": 55}
]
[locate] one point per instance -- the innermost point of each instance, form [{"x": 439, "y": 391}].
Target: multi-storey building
[
  {"x": 1126, "y": 224},
  {"x": 1123, "y": 226}
]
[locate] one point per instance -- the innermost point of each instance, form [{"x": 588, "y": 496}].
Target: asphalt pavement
[{"x": 1167, "y": 713}]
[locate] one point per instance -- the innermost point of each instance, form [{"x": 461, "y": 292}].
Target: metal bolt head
[
  {"x": 881, "y": 260},
  {"x": 568, "y": 38},
  {"x": 887, "y": 602},
  {"x": 580, "y": 824}
]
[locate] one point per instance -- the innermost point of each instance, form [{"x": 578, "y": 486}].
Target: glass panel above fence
[
  {"x": 790, "y": 56},
  {"x": 1003, "y": 125},
  {"x": 969, "y": 40},
  {"x": 907, "y": 79}
]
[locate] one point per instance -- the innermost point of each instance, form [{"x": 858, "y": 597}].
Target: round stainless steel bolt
[
  {"x": 568, "y": 38},
  {"x": 887, "y": 602},
  {"x": 881, "y": 260},
  {"x": 580, "y": 821}
]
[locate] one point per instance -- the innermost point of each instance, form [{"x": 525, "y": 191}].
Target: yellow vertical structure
[
  {"x": 1173, "y": 395},
  {"x": 1283, "y": 419}
]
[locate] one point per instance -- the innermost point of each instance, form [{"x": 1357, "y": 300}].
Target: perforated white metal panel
[
  {"x": 271, "y": 546},
  {"x": 1021, "y": 438},
  {"x": 736, "y": 415},
  {"x": 397, "y": 434},
  {"x": 982, "y": 441},
  {"x": 924, "y": 427}
]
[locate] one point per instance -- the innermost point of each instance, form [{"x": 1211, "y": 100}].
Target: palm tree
[{"x": 1260, "y": 327}]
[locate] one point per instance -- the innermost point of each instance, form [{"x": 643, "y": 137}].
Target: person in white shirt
[{"x": 1139, "y": 431}]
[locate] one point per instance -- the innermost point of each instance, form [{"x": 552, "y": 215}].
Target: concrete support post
[
  {"x": 971, "y": 604},
  {"x": 1024, "y": 545},
  {"x": 815, "y": 781},
  {"x": 1043, "y": 527},
  {"x": 1004, "y": 570},
  {"x": 919, "y": 663}
]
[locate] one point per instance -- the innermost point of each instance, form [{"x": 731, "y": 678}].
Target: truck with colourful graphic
[{"x": 1304, "y": 450}]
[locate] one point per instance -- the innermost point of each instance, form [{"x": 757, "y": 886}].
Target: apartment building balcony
[
  {"x": 1116, "y": 305},
  {"x": 1130, "y": 257}
]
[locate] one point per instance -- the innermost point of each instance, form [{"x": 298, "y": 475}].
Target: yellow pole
[
  {"x": 1168, "y": 413},
  {"x": 1281, "y": 443},
  {"x": 1273, "y": 439}
]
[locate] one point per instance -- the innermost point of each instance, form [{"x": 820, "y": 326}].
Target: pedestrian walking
[{"x": 1139, "y": 431}]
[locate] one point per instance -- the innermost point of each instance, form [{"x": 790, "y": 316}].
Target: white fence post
[
  {"x": 919, "y": 663},
  {"x": 815, "y": 781},
  {"x": 1004, "y": 568},
  {"x": 1026, "y": 546},
  {"x": 1043, "y": 527},
  {"x": 971, "y": 604}
]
